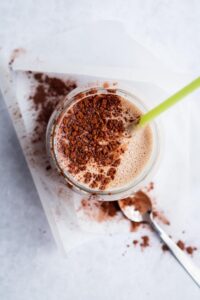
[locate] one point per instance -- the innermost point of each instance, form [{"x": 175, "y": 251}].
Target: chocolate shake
[{"x": 93, "y": 143}]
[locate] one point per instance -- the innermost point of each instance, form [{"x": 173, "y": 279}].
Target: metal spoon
[{"x": 142, "y": 211}]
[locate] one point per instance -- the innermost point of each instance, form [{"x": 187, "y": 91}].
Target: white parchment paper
[{"x": 102, "y": 51}]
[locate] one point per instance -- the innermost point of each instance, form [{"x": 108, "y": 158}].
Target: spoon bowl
[{"x": 137, "y": 208}]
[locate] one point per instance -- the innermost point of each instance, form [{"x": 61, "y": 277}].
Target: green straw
[{"x": 155, "y": 112}]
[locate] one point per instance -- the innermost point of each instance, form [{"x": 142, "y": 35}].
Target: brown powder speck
[
  {"x": 150, "y": 187},
  {"x": 145, "y": 241},
  {"x": 135, "y": 242},
  {"x": 48, "y": 93},
  {"x": 181, "y": 244},
  {"x": 190, "y": 249},
  {"x": 165, "y": 247}
]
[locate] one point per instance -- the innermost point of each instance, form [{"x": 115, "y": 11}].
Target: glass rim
[{"x": 148, "y": 169}]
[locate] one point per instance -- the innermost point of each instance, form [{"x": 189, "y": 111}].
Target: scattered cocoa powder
[
  {"x": 181, "y": 245},
  {"x": 48, "y": 93},
  {"x": 100, "y": 211},
  {"x": 188, "y": 249},
  {"x": 109, "y": 208}
]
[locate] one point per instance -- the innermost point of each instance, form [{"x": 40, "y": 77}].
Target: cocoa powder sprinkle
[
  {"x": 48, "y": 93},
  {"x": 91, "y": 133},
  {"x": 181, "y": 245}
]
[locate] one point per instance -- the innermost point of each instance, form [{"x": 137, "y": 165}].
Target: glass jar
[{"x": 53, "y": 125}]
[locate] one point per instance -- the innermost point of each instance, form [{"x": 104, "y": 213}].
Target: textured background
[{"x": 30, "y": 266}]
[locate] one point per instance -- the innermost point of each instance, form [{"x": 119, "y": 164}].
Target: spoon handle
[{"x": 182, "y": 258}]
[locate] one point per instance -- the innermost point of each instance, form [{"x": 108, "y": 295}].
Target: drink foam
[{"x": 138, "y": 149}]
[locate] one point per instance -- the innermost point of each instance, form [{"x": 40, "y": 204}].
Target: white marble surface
[{"x": 31, "y": 267}]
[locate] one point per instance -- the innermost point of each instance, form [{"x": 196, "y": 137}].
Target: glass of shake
[{"x": 90, "y": 141}]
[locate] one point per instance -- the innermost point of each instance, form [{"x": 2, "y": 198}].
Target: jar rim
[{"x": 113, "y": 192}]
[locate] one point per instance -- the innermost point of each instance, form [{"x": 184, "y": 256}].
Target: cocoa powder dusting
[
  {"x": 110, "y": 208},
  {"x": 100, "y": 211},
  {"x": 48, "y": 93},
  {"x": 91, "y": 134}
]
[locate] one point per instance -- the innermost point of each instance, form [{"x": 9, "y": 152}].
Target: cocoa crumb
[
  {"x": 145, "y": 241},
  {"x": 181, "y": 245},
  {"x": 150, "y": 186},
  {"x": 135, "y": 242},
  {"x": 87, "y": 177},
  {"x": 190, "y": 249},
  {"x": 165, "y": 247},
  {"x": 111, "y": 172}
]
